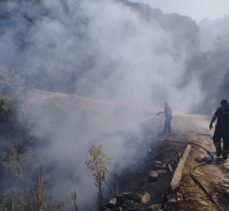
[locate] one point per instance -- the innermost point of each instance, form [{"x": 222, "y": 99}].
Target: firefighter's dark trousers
[
  {"x": 221, "y": 134},
  {"x": 167, "y": 126}
]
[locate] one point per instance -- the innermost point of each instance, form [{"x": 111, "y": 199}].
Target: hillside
[{"x": 81, "y": 74}]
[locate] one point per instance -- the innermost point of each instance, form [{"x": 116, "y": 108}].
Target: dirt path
[{"x": 213, "y": 177}]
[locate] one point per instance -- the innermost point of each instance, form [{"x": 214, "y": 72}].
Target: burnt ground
[
  {"x": 139, "y": 191},
  {"x": 137, "y": 179}
]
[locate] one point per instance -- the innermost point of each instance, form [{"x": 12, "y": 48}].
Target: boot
[
  {"x": 225, "y": 157},
  {"x": 218, "y": 152}
]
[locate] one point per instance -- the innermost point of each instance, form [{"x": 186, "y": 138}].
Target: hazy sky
[{"x": 197, "y": 9}]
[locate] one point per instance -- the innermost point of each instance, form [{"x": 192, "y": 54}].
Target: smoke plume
[{"x": 123, "y": 59}]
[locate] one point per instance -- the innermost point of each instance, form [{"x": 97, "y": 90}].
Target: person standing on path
[
  {"x": 221, "y": 129},
  {"x": 168, "y": 118}
]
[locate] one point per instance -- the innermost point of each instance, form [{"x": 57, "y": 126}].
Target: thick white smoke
[
  {"x": 135, "y": 61},
  {"x": 105, "y": 49}
]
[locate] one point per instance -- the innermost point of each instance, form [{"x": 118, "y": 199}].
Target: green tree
[{"x": 97, "y": 162}]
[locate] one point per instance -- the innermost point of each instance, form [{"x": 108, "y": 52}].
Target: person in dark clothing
[
  {"x": 168, "y": 118},
  {"x": 221, "y": 129}
]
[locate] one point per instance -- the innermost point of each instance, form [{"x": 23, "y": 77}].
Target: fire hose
[{"x": 192, "y": 171}]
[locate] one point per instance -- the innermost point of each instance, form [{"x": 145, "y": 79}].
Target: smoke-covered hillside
[
  {"x": 122, "y": 56},
  {"x": 134, "y": 52},
  {"x": 70, "y": 46}
]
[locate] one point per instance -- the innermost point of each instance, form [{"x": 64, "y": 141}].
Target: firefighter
[
  {"x": 168, "y": 117},
  {"x": 221, "y": 129}
]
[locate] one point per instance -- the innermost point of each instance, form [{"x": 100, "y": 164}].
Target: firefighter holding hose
[
  {"x": 168, "y": 117},
  {"x": 221, "y": 129}
]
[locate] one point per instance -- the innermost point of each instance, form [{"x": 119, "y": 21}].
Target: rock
[
  {"x": 169, "y": 168},
  {"x": 162, "y": 171},
  {"x": 116, "y": 202},
  {"x": 159, "y": 165},
  {"x": 113, "y": 202},
  {"x": 132, "y": 196},
  {"x": 154, "y": 207},
  {"x": 179, "y": 197},
  {"x": 172, "y": 200},
  {"x": 145, "y": 198},
  {"x": 153, "y": 176}
]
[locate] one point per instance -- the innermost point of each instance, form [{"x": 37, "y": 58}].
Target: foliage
[
  {"x": 32, "y": 198},
  {"x": 11, "y": 87},
  {"x": 97, "y": 163},
  {"x": 21, "y": 186},
  {"x": 39, "y": 200}
]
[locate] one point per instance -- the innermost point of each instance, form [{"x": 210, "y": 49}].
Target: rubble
[
  {"x": 159, "y": 165},
  {"x": 128, "y": 200},
  {"x": 132, "y": 196},
  {"x": 153, "y": 176},
  {"x": 145, "y": 198},
  {"x": 169, "y": 168},
  {"x": 154, "y": 207},
  {"x": 145, "y": 184},
  {"x": 162, "y": 171},
  {"x": 112, "y": 203}
]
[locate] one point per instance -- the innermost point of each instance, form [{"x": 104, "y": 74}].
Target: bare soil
[{"x": 213, "y": 177}]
